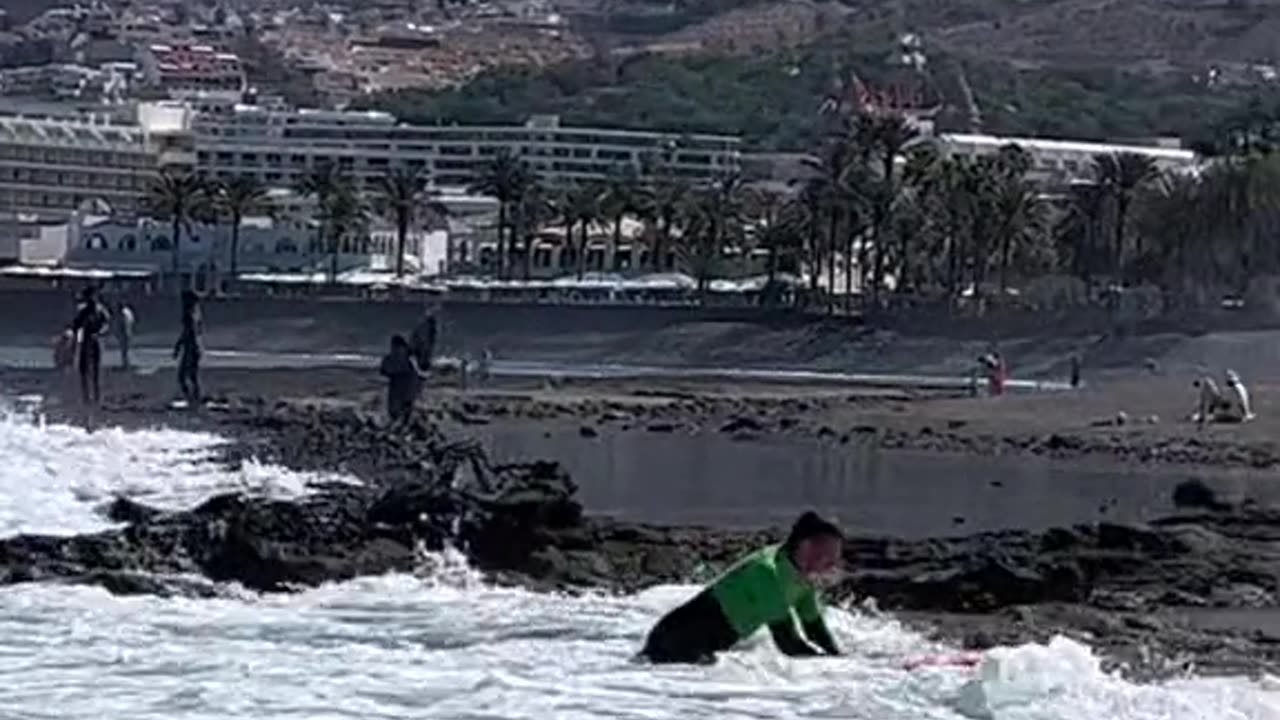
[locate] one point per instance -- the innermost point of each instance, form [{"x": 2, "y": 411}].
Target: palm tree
[
  {"x": 1016, "y": 212},
  {"x": 1081, "y": 229},
  {"x": 890, "y": 134},
  {"x": 242, "y": 196},
  {"x": 583, "y": 205},
  {"x": 399, "y": 195},
  {"x": 779, "y": 226},
  {"x": 343, "y": 216},
  {"x": 323, "y": 182},
  {"x": 504, "y": 179},
  {"x": 712, "y": 214},
  {"x": 831, "y": 174},
  {"x": 534, "y": 210},
  {"x": 1122, "y": 174},
  {"x": 621, "y": 196},
  {"x": 1171, "y": 213},
  {"x": 664, "y": 203},
  {"x": 177, "y": 197}
]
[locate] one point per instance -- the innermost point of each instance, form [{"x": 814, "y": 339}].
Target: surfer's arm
[
  {"x": 819, "y": 635},
  {"x": 789, "y": 641},
  {"x": 815, "y": 628}
]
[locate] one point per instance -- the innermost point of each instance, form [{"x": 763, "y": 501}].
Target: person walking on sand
[
  {"x": 187, "y": 349},
  {"x": 90, "y": 320},
  {"x": 404, "y": 375},
  {"x": 124, "y": 333},
  {"x": 771, "y": 587}
]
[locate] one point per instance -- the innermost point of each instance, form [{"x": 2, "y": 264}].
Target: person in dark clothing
[
  {"x": 404, "y": 376},
  {"x": 772, "y": 587},
  {"x": 422, "y": 341},
  {"x": 187, "y": 349},
  {"x": 90, "y": 320}
]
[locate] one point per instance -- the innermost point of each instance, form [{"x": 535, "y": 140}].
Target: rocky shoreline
[{"x": 1135, "y": 592}]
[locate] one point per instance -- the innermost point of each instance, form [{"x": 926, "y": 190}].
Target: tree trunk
[
  {"x": 235, "y": 246},
  {"x": 1122, "y": 212},
  {"x": 661, "y": 241},
  {"x": 402, "y": 234},
  {"x": 177, "y": 245},
  {"x": 1006, "y": 246},
  {"x": 569, "y": 244},
  {"x": 528, "y": 255},
  {"x": 832, "y": 232},
  {"x": 815, "y": 255},
  {"x": 848, "y": 267},
  {"x": 877, "y": 246},
  {"x": 904, "y": 259},
  {"x": 582, "y": 249},
  {"x": 617, "y": 239},
  {"x": 335, "y": 243},
  {"x": 502, "y": 245}
]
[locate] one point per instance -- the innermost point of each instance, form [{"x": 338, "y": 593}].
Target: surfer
[
  {"x": 90, "y": 320},
  {"x": 187, "y": 349},
  {"x": 770, "y": 587}
]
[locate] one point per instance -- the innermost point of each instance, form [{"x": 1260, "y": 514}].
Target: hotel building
[
  {"x": 52, "y": 167},
  {"x": 279, "y": 147}
]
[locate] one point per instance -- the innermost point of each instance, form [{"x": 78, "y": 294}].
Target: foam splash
[{"x": 55, "y": 476}]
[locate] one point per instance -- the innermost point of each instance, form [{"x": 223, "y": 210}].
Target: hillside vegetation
[{"x": 772, "y": 98}]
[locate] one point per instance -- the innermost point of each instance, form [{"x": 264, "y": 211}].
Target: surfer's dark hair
[{"x": 811, "y": 525}]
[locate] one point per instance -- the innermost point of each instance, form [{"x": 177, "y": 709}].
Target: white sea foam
[
  {"x": 53, "y": 477},
  {"x": 449, "y": 646}
]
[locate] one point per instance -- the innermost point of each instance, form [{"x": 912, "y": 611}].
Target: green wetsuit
[{"x": 762, "y": 589}]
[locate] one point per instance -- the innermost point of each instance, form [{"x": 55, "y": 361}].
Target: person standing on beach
[
  {"x": 404, "y": 376},
  {"x": 187, "y": 349},
  {"x": 422, "y": 342},
  {"x": 422, "y": 345},
  {"x": 772, "y": 587},
  {"x": 124, "y": 332},
  {"x": 90, "y": 320}
]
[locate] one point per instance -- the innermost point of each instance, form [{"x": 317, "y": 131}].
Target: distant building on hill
[{"x": 1063, "y": 161}]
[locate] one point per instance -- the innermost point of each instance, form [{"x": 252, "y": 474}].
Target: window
[
  {"x": 128, "y": 242},
  {"x": 96, "y": 241},
  {"x": 542, "y": 257},
  {"x": 160, "y": 242},
  {"x": 595, "y": 259},
  {"x": 286, "y": 246}
]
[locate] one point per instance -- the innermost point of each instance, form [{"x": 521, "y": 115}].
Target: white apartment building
[
  {"x": 279, "y": 146},
  {"x": 1062, "y": 160},
  {"x": 50, "y": 167}
]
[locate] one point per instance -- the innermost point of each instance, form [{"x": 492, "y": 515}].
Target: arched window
[
  {"x": 160, "y": 242},
  {"x": 128, "y": 242}
]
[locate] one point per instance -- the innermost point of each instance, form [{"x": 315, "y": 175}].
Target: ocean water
[{"x": 443, "y": 644}]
